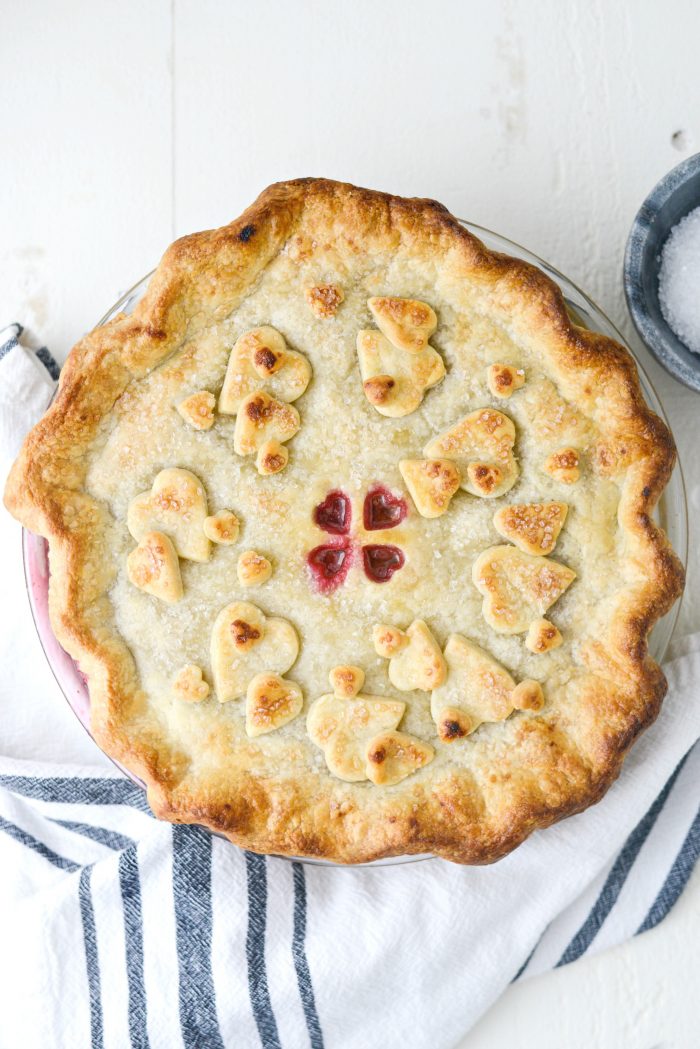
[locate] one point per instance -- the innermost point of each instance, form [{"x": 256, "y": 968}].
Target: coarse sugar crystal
[{"x": 679, "y": 280}]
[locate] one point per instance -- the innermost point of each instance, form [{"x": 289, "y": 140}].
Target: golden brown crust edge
[{"x": 202, "y": 277}]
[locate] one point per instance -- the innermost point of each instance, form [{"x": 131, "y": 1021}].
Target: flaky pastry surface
[{"x": 117, "y": 422}]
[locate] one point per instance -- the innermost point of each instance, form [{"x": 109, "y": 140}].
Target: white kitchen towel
[{"x": 118, "y": 930}]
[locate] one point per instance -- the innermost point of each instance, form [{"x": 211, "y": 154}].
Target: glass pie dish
[{"x": 671, "y": 512}]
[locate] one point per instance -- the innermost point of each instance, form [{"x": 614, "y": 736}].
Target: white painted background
[{"x": 125, "y": 124}]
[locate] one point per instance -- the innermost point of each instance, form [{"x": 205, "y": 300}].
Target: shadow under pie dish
[{"x": 350, "y": 531}]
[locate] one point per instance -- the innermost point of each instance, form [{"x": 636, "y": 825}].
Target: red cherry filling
[
  {"x": 334, "y": 513},
  {"x": 329, "y": 565},
  {"x": 381, "y": 562},
  {"x": 383, "y": 510}
]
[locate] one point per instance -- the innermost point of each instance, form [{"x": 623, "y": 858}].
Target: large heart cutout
[
  {"x": 177, "y": 506},
  {"x": 477, "y": 690},
  {"x": 245, "y": 642},
  {"x": 518, "y": 587},
  {"x": 260, "y": 359}
]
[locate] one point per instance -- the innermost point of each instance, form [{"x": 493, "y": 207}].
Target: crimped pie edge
[{"x": 202, "y": 278}]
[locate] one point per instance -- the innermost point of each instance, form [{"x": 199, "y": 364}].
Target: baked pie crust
[{"x": 460, "y": 461}]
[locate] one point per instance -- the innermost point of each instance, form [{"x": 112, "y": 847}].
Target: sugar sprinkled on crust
[{"x": 88, "y": 459}]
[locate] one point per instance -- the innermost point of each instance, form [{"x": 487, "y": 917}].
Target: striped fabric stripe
[
  {"x": 192, "y": 853},
  {"x": 77, "y": 790},
  {"x": 301, "y": 963},
  {"x": 527, "y": 961},
  {"x": 618, "y": 875},
  {"x": 677, "y": 879},
  {"x": 130, "y": 886},
  {"x": 87, "y": 915},
  {"x": 37, "y": 846},
  {"x": 49, "y": 363},
  {"x": 256, "y": 870},
  {"x": 103, "y": 835},
  {"x": 192, "y": 849},
  {"x": 9, "y": 338}
]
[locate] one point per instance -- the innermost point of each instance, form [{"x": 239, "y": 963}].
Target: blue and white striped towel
[{"x": 121, "y": 931}]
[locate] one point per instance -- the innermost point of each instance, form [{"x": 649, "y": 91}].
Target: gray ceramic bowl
[{"x": 673, "y": 197}]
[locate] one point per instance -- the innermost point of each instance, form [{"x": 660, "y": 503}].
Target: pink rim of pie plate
[{"x": 671, "y": 514}]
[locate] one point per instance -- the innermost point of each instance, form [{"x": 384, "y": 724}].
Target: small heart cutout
[
  {"x": 383, "y": 510},
  {"x": 334, "y": 513},
  {"x": 329, "y": 565},
  {"x": 381, "y": 561}
]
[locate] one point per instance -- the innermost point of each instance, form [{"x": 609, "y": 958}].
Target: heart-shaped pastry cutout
[
  {"x": 334, "y": 514},
  {"x": 346, "y": 680},
  {"x": 481, "y": 444},
  {"x": 382, "y": 509},
  {"x": 517, "y": 587},
  {"x": 324, "y": 299},
  {"x": 504, "y": 379},
  {"x": 342, "y": 729},
  {"x": 198, "y": 410},
  {"x": 253, "y": 569},
  {"x": 272, "y": 458},
  {"x": 395, "y": 381},
  {"x": 392, "y": 756},
  {"x": 533, "y": 527},
  {"x": 543, "y": 636},
  {"x": 260, "y": 359},
  {"x": 177, "y": 506},
  {"x": 246, "y": 642},
  {"x": 381, "y": 560},
  {"x": 260, "y": 420},
  {"x": 432, "y": 483},
  {"x": 563, "y": 465},
  {"x": 270, "y": 703},
  {"x": 189, "y": 684},
  {"x": 415, "y": 659},
  {"x": 329, "y": 565},
  {"x": 222, "y": 527},
  {"x": 154, "y": 568},
  {"x": 477, "y": 689},
  {"x": 407, "y": 323}
]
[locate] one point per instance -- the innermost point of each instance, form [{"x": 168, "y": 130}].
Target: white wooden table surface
[{"x": 125, "y": 124}]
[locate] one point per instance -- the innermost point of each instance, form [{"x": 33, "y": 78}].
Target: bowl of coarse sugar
[{"x": 662, "y": 272}]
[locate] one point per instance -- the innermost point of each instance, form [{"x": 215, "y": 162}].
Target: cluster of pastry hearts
[
  {"x": 263, "y": 377},
  {"x": 396, "y": 363},
  {"x": 330, "y": 561},
  {"x": 251, "y": 652},
  {"x": 520, "y": 583},
  {"x": 172, "y": 522},
  {"x": 475, "y": 454},
  {"x": 468, "y": 687},
  {"x": 359, "y": 734}
]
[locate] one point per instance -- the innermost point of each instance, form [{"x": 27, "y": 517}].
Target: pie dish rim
[{"x": 651, "y": 679}]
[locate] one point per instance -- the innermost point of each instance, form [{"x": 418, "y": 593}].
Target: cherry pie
[{"x": 350, "y": 531}]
